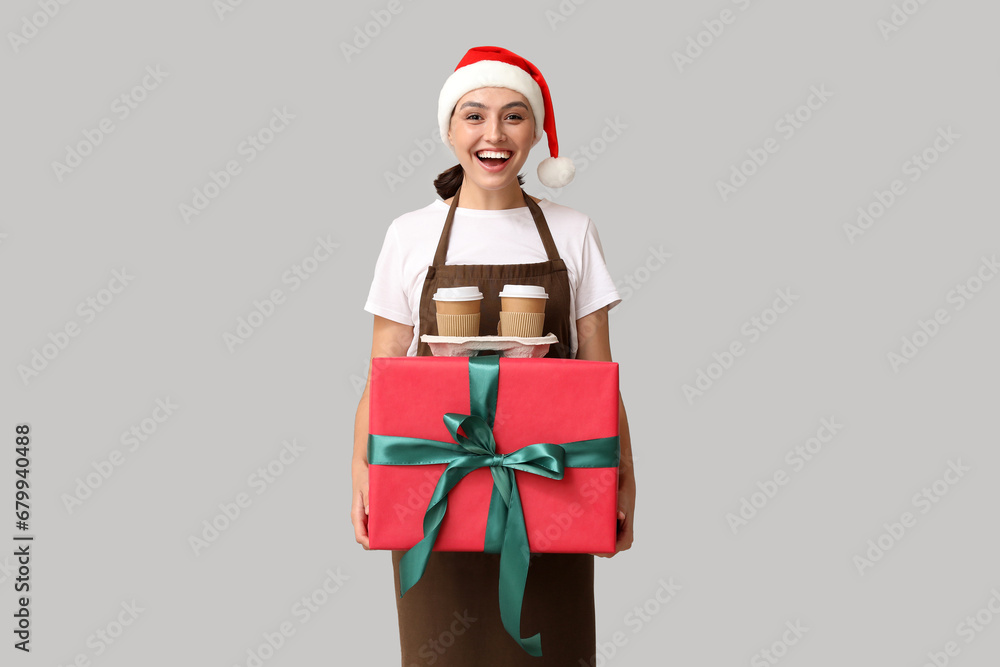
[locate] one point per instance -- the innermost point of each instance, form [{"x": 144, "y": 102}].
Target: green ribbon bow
[{"x": 505, "y": 529}]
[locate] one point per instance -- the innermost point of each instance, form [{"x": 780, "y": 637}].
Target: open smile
[{"x": 493, "y": 160}]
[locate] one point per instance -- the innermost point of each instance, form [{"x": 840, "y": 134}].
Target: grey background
[{"x": 298, "y": 376}]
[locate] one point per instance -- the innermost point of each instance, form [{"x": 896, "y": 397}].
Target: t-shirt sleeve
[
  {"x": 596, "y": 288},
  {"x": 387, "y": 298}
]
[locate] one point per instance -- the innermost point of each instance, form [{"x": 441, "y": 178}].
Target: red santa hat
[{"x": 492, "y": 66}]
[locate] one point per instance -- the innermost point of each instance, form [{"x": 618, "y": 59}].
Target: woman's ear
[{"x": 451, "y": 121}]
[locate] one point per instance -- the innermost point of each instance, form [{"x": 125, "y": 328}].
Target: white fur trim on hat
[{"x": 488, "y": 74}]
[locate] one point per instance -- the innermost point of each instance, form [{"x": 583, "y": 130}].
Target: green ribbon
[{"x": 475, "y": 448}]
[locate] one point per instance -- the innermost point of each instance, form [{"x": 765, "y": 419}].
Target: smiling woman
[{"x": 492, "y": 110}]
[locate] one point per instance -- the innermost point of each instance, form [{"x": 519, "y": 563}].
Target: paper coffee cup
[
  {"x": 458, "y": 310},
  {"x": 522, "y": 310},
  {"x": 523, "y": 299}
]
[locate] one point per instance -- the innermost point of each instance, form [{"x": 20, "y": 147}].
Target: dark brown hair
[{"x": 448, "y": 181}]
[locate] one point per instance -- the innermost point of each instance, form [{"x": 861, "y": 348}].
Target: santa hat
[{"x": 492, "y": 66}]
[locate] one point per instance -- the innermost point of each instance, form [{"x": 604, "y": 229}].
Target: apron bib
[
  {"x": 490, "y": 278},
  {"x": 458, "y": 594}
]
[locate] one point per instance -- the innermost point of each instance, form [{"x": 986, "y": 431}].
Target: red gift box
[{"x": 559, "y": 401}]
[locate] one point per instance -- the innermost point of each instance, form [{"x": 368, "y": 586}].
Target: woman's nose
[{"x": 494, "y": 130}]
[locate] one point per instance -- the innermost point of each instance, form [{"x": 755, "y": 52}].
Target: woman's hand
[
  {"x": 626, "y": 491},
  {"x": 626, "y": 510},
  {"x": 359, "y": 507},
  {"x": 389, "y": 339},
  {"x": 594, "y": 343}
]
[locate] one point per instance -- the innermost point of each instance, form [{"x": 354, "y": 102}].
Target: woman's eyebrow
[{"x": 480, "y": 105}]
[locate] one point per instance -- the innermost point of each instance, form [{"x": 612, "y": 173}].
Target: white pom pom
[{"x": 555, "y": 172}]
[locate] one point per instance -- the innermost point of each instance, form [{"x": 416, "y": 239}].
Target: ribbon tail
[
  {"x": 514, "y": 557},
  {"x": 414, "y": 561}
]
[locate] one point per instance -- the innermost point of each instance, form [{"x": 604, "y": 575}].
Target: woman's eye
[{"x": 512, "y": 116}]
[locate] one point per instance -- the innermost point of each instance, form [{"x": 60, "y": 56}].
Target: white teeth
[{"x": 494, "y": 154}]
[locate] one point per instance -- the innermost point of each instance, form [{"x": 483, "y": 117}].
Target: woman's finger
[{"x": 359, "y": 517}]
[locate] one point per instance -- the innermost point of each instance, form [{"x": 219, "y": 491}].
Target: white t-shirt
[{"x": 478, "y": 236}]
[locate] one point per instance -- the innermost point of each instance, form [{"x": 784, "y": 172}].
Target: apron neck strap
[{"x": 536, "y": 213}]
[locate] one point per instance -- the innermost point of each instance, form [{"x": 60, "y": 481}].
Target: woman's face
[{"x": 498, "y": 121}]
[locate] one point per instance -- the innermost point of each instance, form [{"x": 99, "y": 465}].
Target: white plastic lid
[
  {"x": 524, "y": 291},
  {"x": 457, "y": 294}
]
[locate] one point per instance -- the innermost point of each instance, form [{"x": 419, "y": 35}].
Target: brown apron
[{"x": 444, "y": 619}]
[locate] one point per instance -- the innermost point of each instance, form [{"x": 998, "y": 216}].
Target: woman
[{"x": 492, "y": 111}]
